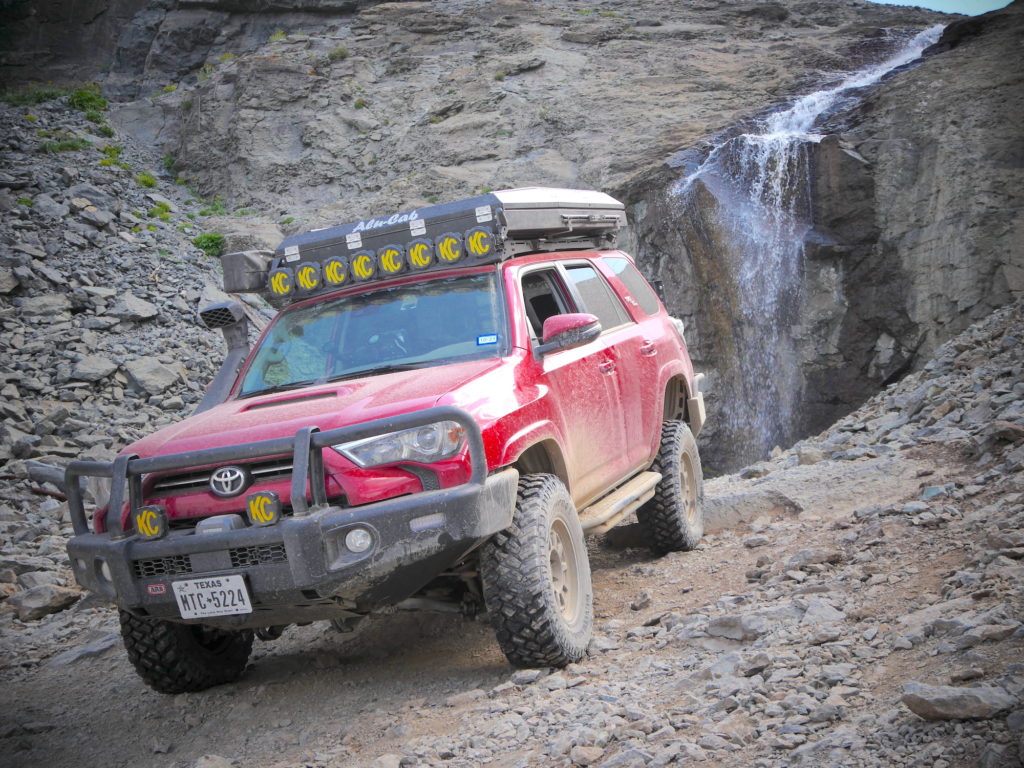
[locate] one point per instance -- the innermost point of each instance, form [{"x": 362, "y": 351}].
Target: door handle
[
  {"x": 647, "y": 349},
  {"x": 606, "y": 367}
]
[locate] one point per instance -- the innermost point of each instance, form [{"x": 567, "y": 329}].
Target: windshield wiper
[
  {"x": 281, "y": 387},
  {"x": 379, "y": 369}
]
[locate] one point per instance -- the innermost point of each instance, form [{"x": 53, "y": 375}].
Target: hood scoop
[{"x": 290, "y": 400}]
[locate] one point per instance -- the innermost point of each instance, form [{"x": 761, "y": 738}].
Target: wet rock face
[{"x": 914, "y": 232}]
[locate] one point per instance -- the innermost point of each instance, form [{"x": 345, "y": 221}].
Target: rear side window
[
  {"x": 598, "y": 298},
  {"x": 635, "y": 283}
]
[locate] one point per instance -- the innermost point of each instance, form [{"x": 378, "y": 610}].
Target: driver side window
[{"x": 544, "y": 297}]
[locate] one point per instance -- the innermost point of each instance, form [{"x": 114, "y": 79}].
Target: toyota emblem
[{"x": 229, "y": 481}]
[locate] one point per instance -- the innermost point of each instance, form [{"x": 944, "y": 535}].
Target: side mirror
[{"x": 567, "y": 332}]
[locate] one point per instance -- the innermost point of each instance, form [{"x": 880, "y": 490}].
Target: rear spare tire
[
  {"x": 673, "y": 519},
  {"x": 536, "y": 578},
  {"x": 177, "y": 658}
]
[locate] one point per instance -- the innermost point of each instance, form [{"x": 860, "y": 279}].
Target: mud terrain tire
[
  {"x": 673, "y": 519},
  {"x": 536, "y": 578},
  {"x": 179, "y": 658}
]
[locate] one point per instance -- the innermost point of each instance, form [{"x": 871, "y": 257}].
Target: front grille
[
  {"x": 264, "y": 554},
  {"x": 199, "y": 480},
  {"x": 163, "y": 566}
]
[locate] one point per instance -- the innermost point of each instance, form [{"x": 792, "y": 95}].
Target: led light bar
[{"x": 480, "y": 230}]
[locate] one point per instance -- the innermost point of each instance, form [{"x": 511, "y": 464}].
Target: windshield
[{"x": 408, "y": 326}]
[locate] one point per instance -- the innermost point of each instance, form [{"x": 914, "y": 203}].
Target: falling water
[{"x": 762, "y": 214}]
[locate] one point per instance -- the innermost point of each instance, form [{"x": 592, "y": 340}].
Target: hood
[{"x": 326, "y": 406}]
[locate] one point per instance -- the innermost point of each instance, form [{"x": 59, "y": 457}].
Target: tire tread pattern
[
  {"x": 516, "y": 584},
  {"x": 170, "y": 659},
  {"x": 663, "y": 517}
]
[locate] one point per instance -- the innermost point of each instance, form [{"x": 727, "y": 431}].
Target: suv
[{"x": 448, "y": 400}]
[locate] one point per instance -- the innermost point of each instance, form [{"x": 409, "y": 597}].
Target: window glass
[
  {"x": 410, "y": 326},
  {"x": 598, "y": 298},
  {"x": 635, "y": 283},
  {"x": 543, "y": 299}
]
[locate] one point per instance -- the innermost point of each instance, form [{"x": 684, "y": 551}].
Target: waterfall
[{"x": 746, "y": 212}]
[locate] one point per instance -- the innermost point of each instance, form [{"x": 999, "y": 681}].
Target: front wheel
[
  {"x": 178, "y": 658},
  {"x": 673, "y": 519},
  {"x": 536, "y": 578}
]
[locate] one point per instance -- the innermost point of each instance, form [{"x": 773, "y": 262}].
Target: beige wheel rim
[
  {"x": 564, "y": 573},
  {"x": 688, "y": 478}
]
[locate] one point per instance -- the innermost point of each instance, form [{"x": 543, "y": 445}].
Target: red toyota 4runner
[{"x": 447, "y": 401}]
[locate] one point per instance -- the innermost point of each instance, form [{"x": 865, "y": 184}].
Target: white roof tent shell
[{"x": 498, "y": 225}]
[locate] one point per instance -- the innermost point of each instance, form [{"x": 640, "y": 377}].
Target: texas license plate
[{"x": 214, "y": 596}]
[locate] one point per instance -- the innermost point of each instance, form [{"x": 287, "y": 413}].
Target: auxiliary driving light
[
  {"x": 449, "y": 248},
  {"x": 282, "y": 281},
  {"x": 150, "y": 522},
  {"x": 358, "y": 540},
  {"x": 263, "y": 508},
  {"x": 308, "y": 277}
]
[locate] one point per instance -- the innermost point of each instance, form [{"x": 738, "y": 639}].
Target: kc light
[
  {"x": 433, "y": 442},
  {"x": 150, "y": 522},
  {"x": 282, "y": 281},
  {"x": 263, "y": 508},
  {"x": 308, "y": 276}
]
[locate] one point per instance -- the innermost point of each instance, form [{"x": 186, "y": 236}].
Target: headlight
[{"x": 426, "y": 444}]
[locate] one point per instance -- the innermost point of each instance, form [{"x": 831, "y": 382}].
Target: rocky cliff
[{"x": 913, "y": 229}]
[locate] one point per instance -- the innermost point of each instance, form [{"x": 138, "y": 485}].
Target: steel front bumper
[{"x": 299, "y": 569}]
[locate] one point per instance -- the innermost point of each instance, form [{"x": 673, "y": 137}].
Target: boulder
[
  {"x": 93, "y": 368},
  {"x": 149, "y": 375},
  {"x": 131, "y": 307},
  {"x": 946, "y": 702},
  {"x": 43, "y": 600}
]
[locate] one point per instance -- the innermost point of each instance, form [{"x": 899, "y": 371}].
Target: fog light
[
  {"x": 263, "y": 508},
  {"x": 358, "y": 540}
]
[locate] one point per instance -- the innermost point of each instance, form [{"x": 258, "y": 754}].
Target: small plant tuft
[
  {"x": 278, "y": 36},
  {"x": 28, "y": 202},
  {"x": 145, "y": 179},
  {"x": 170, "y": 88},
  {"x": 87, "y": 98},
  {"x": 338, "y": 54},
  {"x": 64, "y": 145},
  {"x": 499, "y": 76},
  {"x": 205, "y": 71},
  {"x": 359, "y": 103},
  {"x": 31, "y": 96},
  {"x": 168, "y": 162},
  {"x": 227, "y": 57},
  {"x": 211, "y": 243}
]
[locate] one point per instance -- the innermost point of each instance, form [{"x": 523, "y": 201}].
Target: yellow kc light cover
[
  {"x": 363, "y": 265},
  {"x": 263, "y": 508},
  {"x": 282, "y": 281},
  {"x": 308, "y": 276},
  {"x": 150, "y": 522},
  {"x": 335, "y": 271},
  {"x": 449, "y": 247},
  {"x": 391, "y": 259},
  {"x": 421, "y": 253},
  {"x": 479, "y": 242}
]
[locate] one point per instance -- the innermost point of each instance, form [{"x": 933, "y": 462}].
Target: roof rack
[{"x": 479, "y": 230}]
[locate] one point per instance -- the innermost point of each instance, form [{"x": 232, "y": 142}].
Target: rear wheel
[
  {"x": 673, "y": 519},
  {"x": 176, "y": 658},
  {"x": 536, "y": 578}
]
